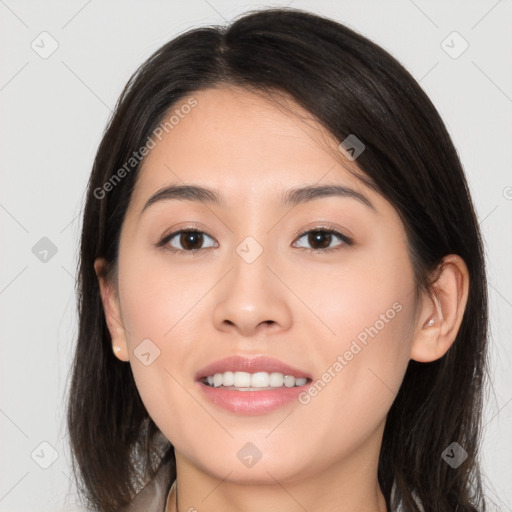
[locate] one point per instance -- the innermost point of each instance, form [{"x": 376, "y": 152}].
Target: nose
[{"x": 251, "y": 299}]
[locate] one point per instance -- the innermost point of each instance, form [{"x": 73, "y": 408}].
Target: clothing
[
  {"x": 156, "y": 496},
  {"x": 171, "y": 499},
  {"x": 153, "y": 496}
]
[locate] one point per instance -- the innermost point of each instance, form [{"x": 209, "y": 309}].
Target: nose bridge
[
  {"x": 253, "y": 249},
  {"x": 250, "y": 280},
  {"x": 251, "y": 295},
  {"x": 250, "y": 249}
]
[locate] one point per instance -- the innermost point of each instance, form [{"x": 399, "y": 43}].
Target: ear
[
  {"x": 441, "y": 311},
  {"x": 110, "y": 300}
]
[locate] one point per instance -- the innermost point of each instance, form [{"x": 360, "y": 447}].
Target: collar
[{"x": 170, "y": 504}]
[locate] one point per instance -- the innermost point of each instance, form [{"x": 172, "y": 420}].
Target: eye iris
[
  {"x": 322, "y": 238},
  {"x": 190, "y": 237}
]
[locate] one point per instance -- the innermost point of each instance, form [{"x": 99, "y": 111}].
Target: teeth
[
  {"x": 217, "y": 380},
  {"x": 260, "y": 380},
  {"x": 276, "y": 380},
  {"x": 242, "y": 379}
]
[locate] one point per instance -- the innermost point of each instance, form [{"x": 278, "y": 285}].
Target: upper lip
[{"x": 250, "y": 364}]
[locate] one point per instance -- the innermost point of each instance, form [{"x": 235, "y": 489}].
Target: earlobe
[
  {"x": 112, "y": 312},
  {"x": 442, "y": 311}
]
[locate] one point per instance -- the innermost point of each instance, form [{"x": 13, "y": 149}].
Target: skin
[{"x": 300, "y": 307}]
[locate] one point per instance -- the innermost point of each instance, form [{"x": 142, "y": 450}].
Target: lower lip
[{"x": 251, "y": 402}]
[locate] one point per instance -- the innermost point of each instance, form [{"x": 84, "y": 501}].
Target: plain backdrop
[{"x": 53, "y": 111}]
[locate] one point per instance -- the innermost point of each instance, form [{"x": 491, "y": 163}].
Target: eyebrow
[{"x": 292, "y": 197}]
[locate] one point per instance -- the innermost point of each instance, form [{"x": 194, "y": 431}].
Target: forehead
[{"x": 244, "y": 144}]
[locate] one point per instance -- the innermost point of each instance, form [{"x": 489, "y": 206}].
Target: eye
[
  {"x": 185, "y": 240},
  {"x": 191, "y": 240},
  {"x": 323, "y": 238}
]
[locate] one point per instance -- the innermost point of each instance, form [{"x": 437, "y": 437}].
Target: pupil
[
  {"x": 189, "y": 237},
  {"x": 317, "y": 236}
]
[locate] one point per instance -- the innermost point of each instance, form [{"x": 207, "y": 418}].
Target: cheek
[
  {"x": 361, "y": 371},
  {"x": 160, "y": 305},
  {"x": 158, "y": 296},
  {"x": 367, "y": 291},
  {"x": 367, "y": 315}
]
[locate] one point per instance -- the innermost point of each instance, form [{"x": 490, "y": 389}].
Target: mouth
[
  {"x": 258, "y": 381},
  {"x": 251, "y": 385}
]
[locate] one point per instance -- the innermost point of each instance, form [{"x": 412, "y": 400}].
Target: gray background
[{"x": 53, "y": 112}]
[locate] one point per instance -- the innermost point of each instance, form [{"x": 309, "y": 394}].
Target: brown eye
[
  {"x": 186, "y": 240},
  {"x": 191, "y": 240},
  {"x": 322, "y": 239}
]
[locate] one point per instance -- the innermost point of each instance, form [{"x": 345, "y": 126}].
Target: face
[{"x": 323, "y": 284}]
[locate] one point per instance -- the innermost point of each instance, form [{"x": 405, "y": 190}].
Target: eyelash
[{"x": 346, "y": 240}]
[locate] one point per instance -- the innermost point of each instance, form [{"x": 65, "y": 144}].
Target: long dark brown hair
[{"x": 351, "y": 86}]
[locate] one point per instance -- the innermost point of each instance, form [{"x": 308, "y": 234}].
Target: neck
[{"x": 346, "y": 485}]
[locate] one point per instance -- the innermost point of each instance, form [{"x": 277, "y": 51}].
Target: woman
[{"x": 282, "y": 291}]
